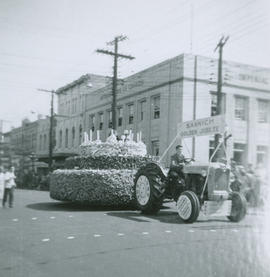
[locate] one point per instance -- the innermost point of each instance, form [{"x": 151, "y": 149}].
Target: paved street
[{"x": 43, "y": 237}]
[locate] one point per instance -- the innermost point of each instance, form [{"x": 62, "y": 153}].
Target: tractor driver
[
  {"x": 178, "y": 158},
  {"x": 177, "y": 162}
]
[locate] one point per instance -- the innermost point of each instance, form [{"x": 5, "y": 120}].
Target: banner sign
[{"x": 202, "y": 127}]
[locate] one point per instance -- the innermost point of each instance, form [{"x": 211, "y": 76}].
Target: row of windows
[
  {"x": 240, "y": 150},
  {"x": 73, "y": 137},
  {"x": 43, "y": 142},
  {"x": 155, "y": 114},
  {"x": 71, "y": 106},
  {"x": 241, "y": 108},
  {"x": 25, "y": 141}
]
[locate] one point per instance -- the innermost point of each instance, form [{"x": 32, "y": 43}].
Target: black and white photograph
[{"x": 135, "y": 138}]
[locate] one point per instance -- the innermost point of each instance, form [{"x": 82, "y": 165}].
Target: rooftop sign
[{"x": 202, "y": 127}]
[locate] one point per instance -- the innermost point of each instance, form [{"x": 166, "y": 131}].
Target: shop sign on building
[{"x": 202, "y": 127}]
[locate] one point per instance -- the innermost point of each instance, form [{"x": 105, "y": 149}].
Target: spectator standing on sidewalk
[
  {"x": 2, "y": 182},
  {"x": 9, "y": 187}
]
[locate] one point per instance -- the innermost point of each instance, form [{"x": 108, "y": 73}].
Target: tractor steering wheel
[{"x": 189, "y": 160}]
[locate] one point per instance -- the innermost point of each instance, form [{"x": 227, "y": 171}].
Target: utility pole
[
  {"x": 219, "y": 46},
  {"x": 194, "y": 103},
  {"x": 116, "y": 55},
  {"x": 51, "y": 127}
]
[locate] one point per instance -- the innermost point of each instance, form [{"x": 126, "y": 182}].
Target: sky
[{"x": 48, "y": 44}]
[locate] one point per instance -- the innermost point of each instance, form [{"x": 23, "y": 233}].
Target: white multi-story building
[{"x": 156, "y": 100}]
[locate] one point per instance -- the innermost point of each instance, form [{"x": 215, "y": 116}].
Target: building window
[
  {"x": 72, "y": 106},
  {"x": 75, "y": 105},
  {"x": 92, "y": 122},
  {"x": 69, "y": 108},
  {"x": 40, "y": 142},
  {"x": 262, "y": 154},
  {"x": 130, "y": 114},
  {"x": 109, "y": 113},
  {"x": 45, "y": 141},
  {"x": 60, "y": 138},
  {"x": 101, "y": 121},
  {"x": 32, "y": 140},
  {"x": 240, "y": 109},
  {"x": 142, "y": 110},
  {"x": 239, "y": 150},
  {"x": 156, "y": 107},
  {"x": 66, "y": 139},
  {"x": 80, "y": 134},
  {"x": 263, "y": 110},
  {"x": 211, "y": 148},
  {"x": 73, "y": 136},
  {"x": 213, "y": 104},
  {"x": 120, "y": 116},
  {"x": 62, "y": 108},
  {"x": 155, "y": 148}
]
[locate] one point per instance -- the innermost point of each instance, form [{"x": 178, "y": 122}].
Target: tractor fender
[{"x": 157, "y": 168}]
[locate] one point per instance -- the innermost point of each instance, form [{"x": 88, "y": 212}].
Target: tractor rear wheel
[
  {"x": 188, "y": 206},
  {"x": 148, "y": 190},
  {"x": 239, "y": 207}
]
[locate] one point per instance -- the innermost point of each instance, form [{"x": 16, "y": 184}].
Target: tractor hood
[{"x": 202, "y": 168}]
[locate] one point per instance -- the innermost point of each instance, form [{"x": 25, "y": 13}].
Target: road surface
[{"x": 43, "y": 237}]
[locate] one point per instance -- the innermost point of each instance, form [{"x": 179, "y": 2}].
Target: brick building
[
  {"x": 24, "y": 138},
  {"x": 7, "y": 153},
  {"x": 71, "y": 121}
]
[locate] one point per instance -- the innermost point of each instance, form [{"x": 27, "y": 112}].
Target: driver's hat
[{"x": 178, "y": 146}]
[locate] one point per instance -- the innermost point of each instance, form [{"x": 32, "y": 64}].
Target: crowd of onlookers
[
  {"x": 252, "y": 182},
  {"x": 28, "y": 179}
]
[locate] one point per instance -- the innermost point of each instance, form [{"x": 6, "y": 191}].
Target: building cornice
[{"x": 82, "y": 79}]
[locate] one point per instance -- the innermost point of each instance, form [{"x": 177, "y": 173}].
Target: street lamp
[{"x": 33, "y": 158}]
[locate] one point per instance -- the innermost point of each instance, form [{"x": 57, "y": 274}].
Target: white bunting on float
[
  {"x": 86, "y": 139},
  {"x": 91, "y": 135}
]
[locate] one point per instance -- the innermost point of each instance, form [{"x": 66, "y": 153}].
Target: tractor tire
[
  {"x": 188, "y": 206},
  {"x": 148, "y": 190},
  {"x": 239, "y": 207}
]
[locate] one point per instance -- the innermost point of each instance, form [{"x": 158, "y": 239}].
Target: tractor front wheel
[
  {"x": 188, "y": 206},
  {"x": 148, "y": 191}
]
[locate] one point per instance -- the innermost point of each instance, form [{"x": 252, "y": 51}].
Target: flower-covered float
[{"x": 103, "y": 174}]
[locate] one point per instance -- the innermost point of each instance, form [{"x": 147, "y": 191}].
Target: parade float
[{"x": 103, "y": 173}]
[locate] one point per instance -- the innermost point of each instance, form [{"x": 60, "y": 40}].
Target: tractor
[{"x": 200, "y": 187}]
